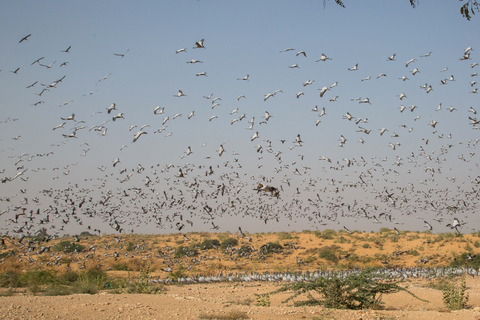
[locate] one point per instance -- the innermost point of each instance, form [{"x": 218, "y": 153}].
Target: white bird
[
  {"x": 138, "y": 135},
  {"x": 294, "y": 66},
  {"x": 415, "y": 71},
  {"x": 181, "y": 50},
  {"x": 118, "y": 116},
  {"x": 334, "y": 99},
  {"x": 244, "y": 78},
  {"x": 308, "y": 82},
  {"x": 191, "y": 114},
  {"x": 366, "y": 100},
  {"x": 180, "y": 94},
  {"x": 221, "y": 150},
  {"x": 323, "y": 58},
  {"x": 268, "y": 96},
  {"x": 322, "y": 91},
  {"x": 355, "y": 68},
  {"x": 189, "y": 151},
  {"x": 158, "y": 110},
  {"x": 165, "y": 120},
  {"x": 299, "y": 94},
  {"x": 298, "y": 140},
  {"x": 194, "y": 61},
  {"x": 267, "y": 115},
  {"x": 59, "y": 126},
  {"x": 201, "y": 74},
  {"x": 301, "y": 52},
  {"x": 391, "y": 58},
  {"x": 409, "y": 61},
  {"x": 199, "y": 44},
  {"x": 112, "y": 107},
  {"x": 255, "y": 136},
  {"x": 404, "y": 78},
  {"x": 322, "y": 113},
  {"x": 402, "y": 95},
  {"x": 212, "y": 117}
]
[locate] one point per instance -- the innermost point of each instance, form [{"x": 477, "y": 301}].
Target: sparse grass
[
  {"x": 286, "y": 236},
  {"x": 240, "y": 301},
  {"x": 263, "y": 300},
  {"x": 231, "y": 315}
]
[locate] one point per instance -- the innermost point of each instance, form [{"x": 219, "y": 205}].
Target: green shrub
[
  {"x": 244, "y": 250},
  {"x": 91, "y": 280},
  {"x": 120, "y": 267},
  {"x": 182, "y": 252},
  {"x": 68, "y": 247},
  {"x": 328, "y": 234},
  {"x": 286, "y": 236},
  {"x": 354, "y": 291},
  {"x": 456, "y": 298},
  {"x": 57, "y": 290},
  {"x": 341, "y": 239},
  {"x": 69, "y": 277},
  {"x": 366, "y": 246},
  {"x": 270, "y": 247},
  {"x": 329, "y": 253},
  {"x": 209, "y": 244},
  {"x": 229, "y": 242},
  {"x": 263, "y": 300},
  {"x": 10, "y": 279},
  {"x": 130, "y": 246}
]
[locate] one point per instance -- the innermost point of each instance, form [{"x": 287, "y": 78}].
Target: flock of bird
[{"x": 276, "y": 179}]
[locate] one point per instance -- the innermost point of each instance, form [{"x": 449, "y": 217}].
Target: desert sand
[{"x": 232, "y": 300}]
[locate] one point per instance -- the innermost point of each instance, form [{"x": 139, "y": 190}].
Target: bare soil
[{"x": 229, "y": 301}]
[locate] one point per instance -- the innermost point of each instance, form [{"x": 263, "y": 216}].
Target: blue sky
[{"x": 240, "y": 38}]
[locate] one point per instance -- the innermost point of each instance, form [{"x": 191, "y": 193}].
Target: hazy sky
[{"x": 423, "y": 167}]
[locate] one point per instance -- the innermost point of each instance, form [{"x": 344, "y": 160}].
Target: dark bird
[
  {"x": 121, "y": 54},
  {"x": 25, "y": 38}
]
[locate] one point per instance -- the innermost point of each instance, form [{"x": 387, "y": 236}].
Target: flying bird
[
  {"x": 25, "y": 38},
  {"x": 138, "y": 135},
  {"x": 199, "y": 44}
]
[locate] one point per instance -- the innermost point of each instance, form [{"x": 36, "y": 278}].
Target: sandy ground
[
  {"x": 209, "y": 301},
  {"x": 227, "y": 299}
]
